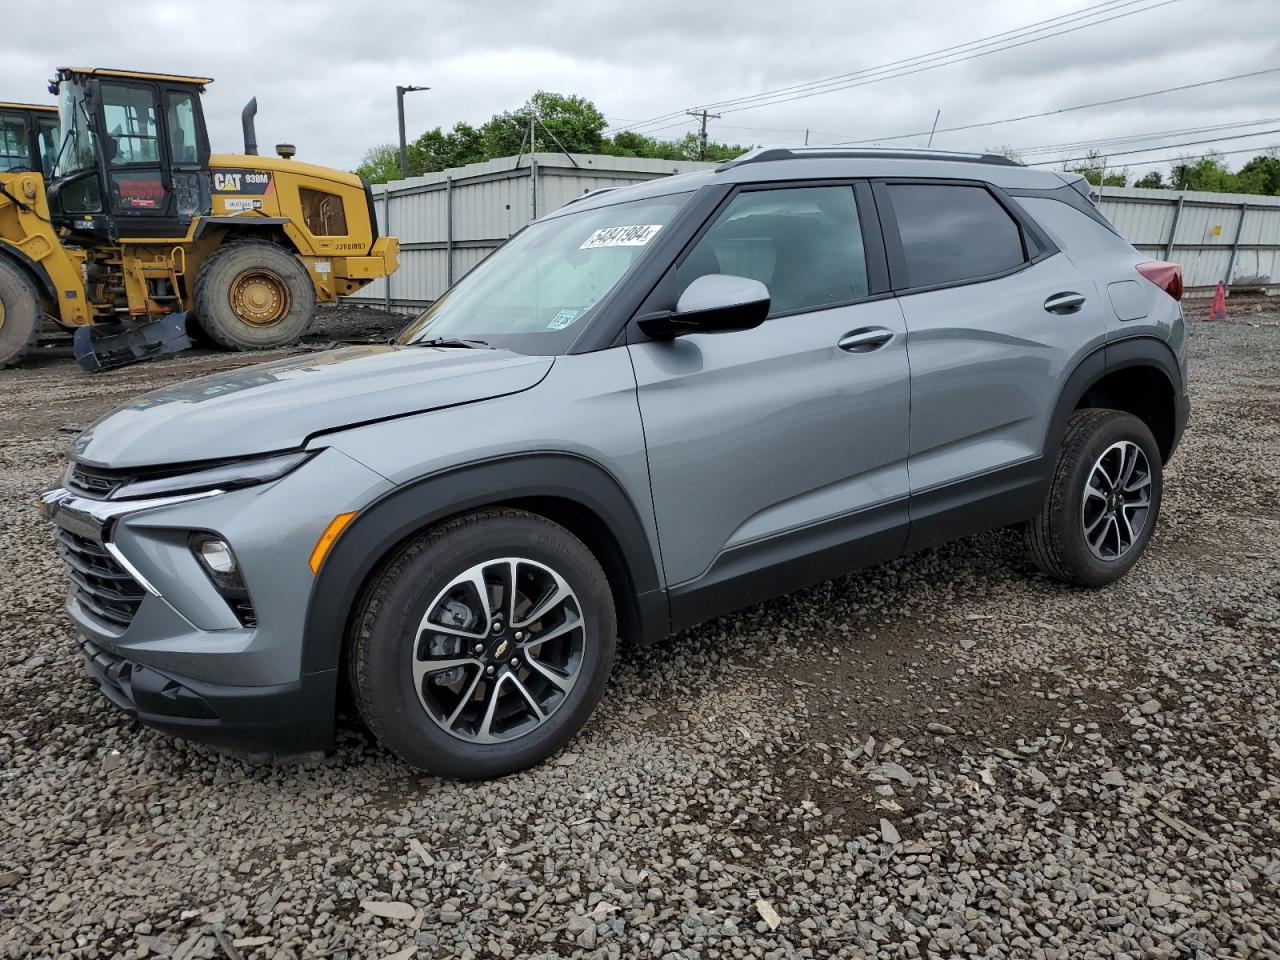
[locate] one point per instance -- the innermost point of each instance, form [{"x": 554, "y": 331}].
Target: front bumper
[
  {"x": 164, "y": 645},
  {"x": 278, "y": 720}
]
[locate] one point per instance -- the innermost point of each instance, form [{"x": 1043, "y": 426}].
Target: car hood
[{"x": 280, "y": 405}]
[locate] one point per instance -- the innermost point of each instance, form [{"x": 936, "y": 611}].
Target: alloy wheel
[
  {"x": 499, "y": 650},
  {"x": 1116, "y": 501}
]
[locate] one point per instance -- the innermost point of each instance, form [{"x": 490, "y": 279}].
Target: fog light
[
  {"x": 219, "y": 563},
  {"x": 217, "y": 556}
]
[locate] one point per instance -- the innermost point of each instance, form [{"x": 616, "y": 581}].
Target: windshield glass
[
  {"x": 535, "y": 293},
  {"x": 77, "y": 147}
]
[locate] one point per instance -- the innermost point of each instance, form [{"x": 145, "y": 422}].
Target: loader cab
[
  {"x": 28, "y": 138},
  {"x": 134, "y": 157}
]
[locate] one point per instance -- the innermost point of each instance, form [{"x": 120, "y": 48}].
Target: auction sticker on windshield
[
  {"x": 562, "y": 319},
  {"x": 636, "y": 235}
]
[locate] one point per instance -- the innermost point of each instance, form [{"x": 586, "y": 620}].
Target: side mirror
[{"x": 714, "y": 303}]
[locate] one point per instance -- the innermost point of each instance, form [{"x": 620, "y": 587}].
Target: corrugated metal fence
[
  {"x": 1230, "y": 237},
  {"x": 448, "y": 222}
]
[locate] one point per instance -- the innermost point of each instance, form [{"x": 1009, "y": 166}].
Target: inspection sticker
[
  {"x": 633, "y": 236},
  {"x": 562, "y": 319}
]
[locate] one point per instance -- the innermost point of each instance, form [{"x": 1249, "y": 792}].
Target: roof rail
[
  {"x": 590, "y": 193},
  {"x": 882, "y": 153}
]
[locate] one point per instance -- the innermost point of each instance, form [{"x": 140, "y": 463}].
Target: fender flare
[
  {"x": 33, "y": 269},
  {"x": 1141, "y": 351},
  {"x": 413, "y": 507}
]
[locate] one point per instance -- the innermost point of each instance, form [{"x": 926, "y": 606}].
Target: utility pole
[
  {"x": 404, "y": 147},
  {"x": 702, "y": 133},
  {"x": 934, "y": 128}
]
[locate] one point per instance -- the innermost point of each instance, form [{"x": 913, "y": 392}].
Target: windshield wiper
[{"x": 453, "y": 342}]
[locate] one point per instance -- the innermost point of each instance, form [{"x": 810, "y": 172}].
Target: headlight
[{"x": 226, "y": 476}]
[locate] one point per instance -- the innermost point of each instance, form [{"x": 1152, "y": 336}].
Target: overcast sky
[{"x": 324, "y": 72}]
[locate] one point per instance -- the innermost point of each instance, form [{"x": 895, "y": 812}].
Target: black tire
[
  {"x": 20, "y": 316},
  {"x": 385, "y": 634},
  {"x": 224, "y": 276},
  {"x": 1055, "y": 539}
]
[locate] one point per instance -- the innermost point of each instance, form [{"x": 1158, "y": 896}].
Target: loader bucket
[{"x": 104, "y": 347}]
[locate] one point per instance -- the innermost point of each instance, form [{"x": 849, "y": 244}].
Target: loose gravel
[{"x": 946, "y": 755}]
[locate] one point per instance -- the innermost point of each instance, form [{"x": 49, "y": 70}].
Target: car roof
[{"x": 827, "y": 163}]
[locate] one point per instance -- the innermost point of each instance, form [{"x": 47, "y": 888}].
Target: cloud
[{"x": 325, "y": 72}]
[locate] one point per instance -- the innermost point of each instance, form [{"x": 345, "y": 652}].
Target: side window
[
  {"x": 47, "y": 132},
  {"x": 952, "y": 233},
  {"x": 180, "y": 112},
  {"x": 131, "y": 133},
  {"x": 803, "y": 243},
  {"x": 13, "y": 143}
]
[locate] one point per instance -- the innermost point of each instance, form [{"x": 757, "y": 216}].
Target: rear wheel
[
  {"x": 254, "y": 295},
  {"x": 1103, "y": 502},
  {"x": 483, "y": 648},
  {"x": 20, "y": 314}
]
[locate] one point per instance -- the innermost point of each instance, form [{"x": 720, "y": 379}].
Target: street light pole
[{"x": 404, "y": 147}]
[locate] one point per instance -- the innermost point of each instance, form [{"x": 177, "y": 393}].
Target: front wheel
[
  {"x": 1103, "y": 501},
  {"x": 482, "y": 648},
  {"x": 254, "y": 295}
]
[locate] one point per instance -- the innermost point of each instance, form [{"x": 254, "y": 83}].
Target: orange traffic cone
[{"x": 1219, "y": 309}]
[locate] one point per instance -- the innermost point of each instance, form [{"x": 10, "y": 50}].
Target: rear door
[
  {"x": 996, "y": 318},
  {"x": 776, "y": 455}
]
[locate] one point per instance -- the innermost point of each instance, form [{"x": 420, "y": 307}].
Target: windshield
[
  {"x": 535, "y": 293},
  {"x": 76, "y": 152}
]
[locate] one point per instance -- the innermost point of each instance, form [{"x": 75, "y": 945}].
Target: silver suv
[{"x": 652, "y": 407}]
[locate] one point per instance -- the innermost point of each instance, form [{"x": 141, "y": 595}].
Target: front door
[
  {"x": 778, "y": 455},
  {"x": 138, "y": 188}
]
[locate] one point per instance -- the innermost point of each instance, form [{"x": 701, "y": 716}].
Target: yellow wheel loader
[
  {"x": 28, "y": 137},
  {"x": 141, "y": 229}
]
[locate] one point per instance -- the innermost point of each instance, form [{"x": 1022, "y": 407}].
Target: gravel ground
[{"x": 945, "y": 755}]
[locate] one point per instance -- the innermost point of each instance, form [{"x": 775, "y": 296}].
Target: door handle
[
  {"x": 865, "y": 339},
  {"x": 1068, "y": 302}
]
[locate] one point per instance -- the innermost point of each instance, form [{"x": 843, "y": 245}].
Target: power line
[
  {"x": 1205, "y": 156},
  {"x": 993, "y": 39},
  {"x": 1139, "y": 137},
  {"x": 1163, "y": 146},
  {"x": 1105, "y": 6},
  {"x": 947, "y": 62},
  {"x": 1060, "y": 110},
  {"x": 930, "y": 61}
]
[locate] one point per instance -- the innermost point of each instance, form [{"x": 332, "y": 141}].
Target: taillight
[{"x": 1165, "y": 275}]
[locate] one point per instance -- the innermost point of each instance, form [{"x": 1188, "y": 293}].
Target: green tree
[
  {"x": 1153, "y": 180},
  {"x": 380, "y": 163},
  {"x": 571, "y": 122},
  {"x": 1094, "y": 169},
  {"x": 437, "y": 150},
  {"x": 1260, "y": 175}
]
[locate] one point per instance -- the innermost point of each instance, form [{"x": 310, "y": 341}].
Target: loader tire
[
  {"x": 20, "y": 314},
  {"x": 254, "y": 295}
]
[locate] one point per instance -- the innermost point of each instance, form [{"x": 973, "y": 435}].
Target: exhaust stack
[{"x": 246, "y": 122}]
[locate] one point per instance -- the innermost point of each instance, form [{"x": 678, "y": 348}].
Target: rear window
[{"x": 951, "y": 234}]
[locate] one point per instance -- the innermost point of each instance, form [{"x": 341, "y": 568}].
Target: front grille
[
  {"x": 98, "y": 583},
  {"x": 96, "y": 484}
]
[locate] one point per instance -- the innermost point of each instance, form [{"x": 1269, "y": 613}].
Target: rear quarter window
[{"x": 1072, "y": 230}]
